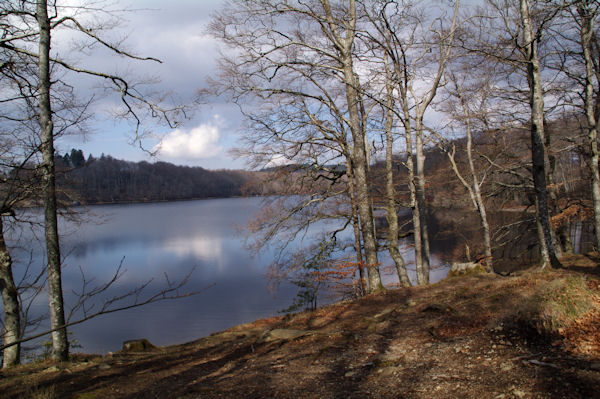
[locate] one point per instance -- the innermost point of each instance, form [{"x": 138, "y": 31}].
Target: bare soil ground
[{"x": 464, "y": 337}]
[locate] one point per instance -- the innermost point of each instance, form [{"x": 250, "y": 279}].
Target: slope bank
[{"x": 533, "y": 335}]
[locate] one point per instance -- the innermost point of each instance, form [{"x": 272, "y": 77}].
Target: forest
[{"x": 109, "y": 180}]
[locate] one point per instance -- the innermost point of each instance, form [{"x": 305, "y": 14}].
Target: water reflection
[
  {"x": 200, "y": 246},
  {"x": 154, "y": 239},
  {"x": 171, "y": 238}
]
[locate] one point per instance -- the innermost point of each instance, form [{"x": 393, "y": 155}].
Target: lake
[{"x": 172, "y": 238}]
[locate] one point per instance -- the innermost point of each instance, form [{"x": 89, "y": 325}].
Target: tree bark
[
  {"x": 391, "y": 214},
  {"x": 422, "y": 276},
  {"x": 403, "y": 83},
  {"x": 587, "y": 31},
  {"x": 11, "y": 355},
  {"x": 473, "y": 188},
  {"x": 359, "y": 157},
  {"x": 419, "y": 105},
  {"x": 487, "y": 241},
  {"x": 363, "y": 199},
  {"x": 538, "y": 150},
  {"x": 421, "y": 204},
  {"x": 356, "y": 228},
  {"x": 60, "y": 344}
]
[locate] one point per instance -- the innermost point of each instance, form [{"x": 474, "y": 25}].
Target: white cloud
[
  {"x": 278, "y": 160},
  {"x": 200, "y": 142}
]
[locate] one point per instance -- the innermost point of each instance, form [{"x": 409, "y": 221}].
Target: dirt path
[{"x": 455, "y": 339}]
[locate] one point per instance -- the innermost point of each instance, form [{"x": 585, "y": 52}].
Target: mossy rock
[
  {"x": 138, "y": 345},
  {"x": 466, "y": 269},
  {"x": 283, "y": 334}
]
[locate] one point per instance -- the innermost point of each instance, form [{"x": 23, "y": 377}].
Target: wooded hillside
[{"x": 106, "y": 179}]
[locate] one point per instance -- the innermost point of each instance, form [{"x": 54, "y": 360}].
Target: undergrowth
[{"x": 557, "y": 304}]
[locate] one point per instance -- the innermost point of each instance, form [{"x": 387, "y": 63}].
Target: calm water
[{"x": 172, "y": 238}]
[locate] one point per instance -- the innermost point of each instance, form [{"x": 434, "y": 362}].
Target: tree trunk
[
  {"x": 60, "y": 344},
  {"x": 10, "y": 300},
  {"x": 553, "y": 196},
  {"x": 474, "y": 189},
  {"x": 420, "y": 191},
  {"x": 587, "y": 31},
  {"x": 359, "y": 156},
  {"x": 422, "y": 277},
  {"x": 538, "y": 150},
  {"x": 356, "y": 228},
  {"x": 476, "y": 194},
  {"x": 363, "y": 200},
  {"x": 565, "y": 239},
  {"x": 391, "y": 214}
]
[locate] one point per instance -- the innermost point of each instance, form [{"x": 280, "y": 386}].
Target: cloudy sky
[{"x": 175, "y": 33}]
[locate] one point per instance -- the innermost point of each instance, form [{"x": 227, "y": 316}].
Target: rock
[
  {"x": 467, "y": 268},
  {"x": 104, "y": 366},
  {"x": 387, "y": 371},
  {"x": 384, "y": 313},
  {"x": 350, "y": 374},
  {"x": 138, "y": 345},
  {"x": 283, "y": 334},
  {"x": 410, "y": 302},
  {"x": 388, "y": 358},
  {"x": 52, "y": 369},
  {"x": 506, "y": 367},
  {"x": 518, "y": 393}
]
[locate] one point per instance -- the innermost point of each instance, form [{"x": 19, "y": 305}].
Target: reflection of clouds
[{"x": 200, "y": 246}]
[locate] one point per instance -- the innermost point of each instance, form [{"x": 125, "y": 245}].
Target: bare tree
[
  {"x": 470, "y": 104},
  {"x": 86, "y": 308},
  {"x": 579, "y": 47},
  {"x": 293, "y": 72},
  {"x": 510, "y": 36},
  {"x": 60, "y": 341},
  {"x": 529, "y": 49},
  {"x": 418, "y": 44},
  {"x": 19, "y": 184},
  {"x": 588, "y": 12},
  {"x": 19, "y": 180},
  {"x": 390, "y": 191},
  {"x": 10, "y": 301},
  {"x": 28, "y": 22}
]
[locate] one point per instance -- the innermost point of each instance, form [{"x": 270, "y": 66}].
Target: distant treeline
[{"x": 106, "y": 179}]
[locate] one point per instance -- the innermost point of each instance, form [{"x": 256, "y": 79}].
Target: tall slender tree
[
  {"x": 60, "y": 341},
  {"x": 309, "y": 91},
  {"x": 419, "y": 46},
  {"x": 529, "y": 49},
  {"x": 27, "y": 33}
]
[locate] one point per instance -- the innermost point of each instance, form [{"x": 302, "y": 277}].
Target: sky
[{"x": 175, "y": 33}]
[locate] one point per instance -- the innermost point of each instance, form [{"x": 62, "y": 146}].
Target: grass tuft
[
  {"x": 37, "y": 392},
  {"x": 557, "y": 305}
]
